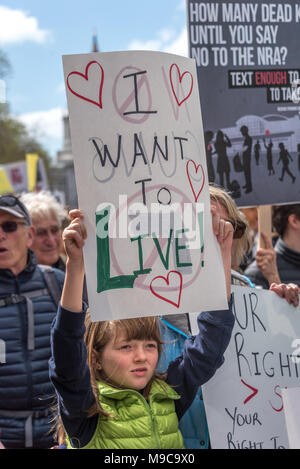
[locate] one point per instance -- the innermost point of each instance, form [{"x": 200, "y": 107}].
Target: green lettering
[
  {"x": 165, "y": 260},
  {"x": 104, "y": 280},
  {"x": 141, "y": 261}
]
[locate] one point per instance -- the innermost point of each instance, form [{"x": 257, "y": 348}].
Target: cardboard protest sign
[
  {"x": 243, "y": 400},
  {"x": 141, "y": 179},
  {"x": 247, "y": 57}
]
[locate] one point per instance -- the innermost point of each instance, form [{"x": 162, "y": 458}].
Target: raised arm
[
  {"x": 266, "y": 261},
  {"x": 74, "y": 236},
  {"x": 68, "y": 367}
]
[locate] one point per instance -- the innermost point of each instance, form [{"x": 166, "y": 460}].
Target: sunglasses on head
[
  {"x": 11, "y": 226},
  {"x": 10, "y": 201}
]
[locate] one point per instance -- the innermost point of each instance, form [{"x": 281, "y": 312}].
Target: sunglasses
[
  {"x": 10, "y": 201},
  {"x": 239, "y": 228},
  {"x": 10, "y": 226}
]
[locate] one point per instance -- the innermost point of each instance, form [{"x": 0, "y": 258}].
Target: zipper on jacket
[
  {"x": 153, "y": 424},
  {"x": 25, "y": 352},
  {"x": 150, "y": 412}
]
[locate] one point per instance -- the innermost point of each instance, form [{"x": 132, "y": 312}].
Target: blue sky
[{"x": 34, "y": 34}]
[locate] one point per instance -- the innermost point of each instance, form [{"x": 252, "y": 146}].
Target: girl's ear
[{"x": 95, "y": 361}]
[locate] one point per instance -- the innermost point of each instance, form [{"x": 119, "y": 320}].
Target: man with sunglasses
[{"x": 26, "y": 313}]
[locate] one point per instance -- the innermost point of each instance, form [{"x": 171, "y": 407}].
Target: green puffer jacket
[{"x": 137, "y": 423}]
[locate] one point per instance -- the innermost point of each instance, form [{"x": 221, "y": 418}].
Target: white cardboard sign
[
  {"x": 243, "y": 400},
  {"x": 138, "y": 148}
]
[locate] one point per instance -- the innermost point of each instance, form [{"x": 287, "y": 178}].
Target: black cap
[{"x": 11, "y": 204}]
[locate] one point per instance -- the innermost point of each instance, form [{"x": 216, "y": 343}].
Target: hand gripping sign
[{"x": 142, "y": 185}]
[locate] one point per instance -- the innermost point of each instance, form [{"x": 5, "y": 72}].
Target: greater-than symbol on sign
[{"x": 255, "y": 391}]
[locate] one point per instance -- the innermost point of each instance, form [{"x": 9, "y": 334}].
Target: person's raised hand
[
  {"x": 266, "y": 260},
  {"x": 223, "y": 230},
  {"x": 74, "y": 236}
]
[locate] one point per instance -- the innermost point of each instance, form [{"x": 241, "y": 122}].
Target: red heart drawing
[
  {"x": 191, "y": 184},
  {"x": 166, "y": 280},
  {"x": 85, "y": 77},
  {"x": 180, "y": 76}
]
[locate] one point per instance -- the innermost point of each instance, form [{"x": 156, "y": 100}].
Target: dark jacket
[
  {"x": 69, "y": 371},
  {"x": 24, "y": 377},
  {"x": 288, "y": 264},
  {"x": 60, "y": 264}
]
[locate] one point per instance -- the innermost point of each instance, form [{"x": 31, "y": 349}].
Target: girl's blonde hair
[
  {"x": 242, "y": 244},
  {"x": 97, "y": 335}
]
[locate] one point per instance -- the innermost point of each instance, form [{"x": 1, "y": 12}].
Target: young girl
[{"x": 109, "y": 394}]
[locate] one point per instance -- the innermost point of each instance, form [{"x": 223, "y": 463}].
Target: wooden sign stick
[{"x": 264, "y": 223}]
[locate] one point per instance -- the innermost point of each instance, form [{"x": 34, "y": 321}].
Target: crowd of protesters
[{"x": 53, "y": 371}]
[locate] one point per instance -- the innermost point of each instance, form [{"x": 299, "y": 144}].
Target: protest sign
[
  {"x": 139, "y": 159},
  {"x": 243, "y": 400},
  {"x": 23, "y": 176},
  {"x": 247, "y": 57}
]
